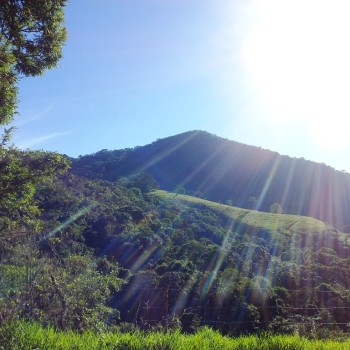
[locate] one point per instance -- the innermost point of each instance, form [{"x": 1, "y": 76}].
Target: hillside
[
  {"x": 237, "y": 270},
  {"x": 252, "y": 218},
  {"x": 211, "y": 167},
  {"x": 90, "y": 254}
]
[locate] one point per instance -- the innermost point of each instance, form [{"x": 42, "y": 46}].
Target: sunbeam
[
  {"x": 165, "y": 153},
  {"x": 71, "y": 219},
  {"x": 146, "y": 254},
  {"x": 268, "y": 182}
]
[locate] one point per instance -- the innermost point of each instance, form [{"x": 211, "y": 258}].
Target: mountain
[{"x": 211, "y": 167}]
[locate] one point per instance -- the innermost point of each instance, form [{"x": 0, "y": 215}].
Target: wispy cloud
[
  {"x": 27, "y": 118},
  {"x": 34, "y": 141}
]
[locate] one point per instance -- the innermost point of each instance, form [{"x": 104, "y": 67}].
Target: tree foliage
[
  {"x": 31, "y": 39},
  {"x": 20, "y": 174}
]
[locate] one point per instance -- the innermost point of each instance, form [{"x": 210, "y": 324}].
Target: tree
[
  {"x": 252, "y": 202},
  {"x": 31, "y": 39},
  {"x": 144, "y": 181},
  {"x": 20, "y": 173},
  {"x": 276, "y": 208},
  {"x": 20, "y": 170},
  {"x": 179, "y": 190}
]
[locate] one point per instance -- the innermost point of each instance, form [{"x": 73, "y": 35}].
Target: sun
[{"x": 297, "y": 55}]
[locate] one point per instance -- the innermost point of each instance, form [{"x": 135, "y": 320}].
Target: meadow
[{"x": 253, "y": 218}]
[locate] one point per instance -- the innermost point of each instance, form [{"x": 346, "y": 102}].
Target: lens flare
[{"x": 71, "y": 219}]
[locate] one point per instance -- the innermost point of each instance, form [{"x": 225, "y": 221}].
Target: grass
[
  {"x": 253, "y": 218},
  {"x": 25, "y": 336}
]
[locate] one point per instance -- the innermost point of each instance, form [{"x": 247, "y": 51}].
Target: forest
[{"x": 86, "y": 253}]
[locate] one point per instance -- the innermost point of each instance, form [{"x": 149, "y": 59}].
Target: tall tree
[
  {"x": 32, "y": 34},
  {"x": 31, "y": 39}
]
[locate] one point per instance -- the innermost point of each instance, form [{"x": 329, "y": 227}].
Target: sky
[{"x": 269, "y": 73}]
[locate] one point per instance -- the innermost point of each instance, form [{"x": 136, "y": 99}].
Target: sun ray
[
  {"x": 216, "y": 263},
  {"x": 268, "y": 182},
  {"x": 71, "y": 219},
  {"x": 165, "y": 153}
]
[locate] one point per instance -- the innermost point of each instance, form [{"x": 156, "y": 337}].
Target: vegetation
[
  {"x": 220, "y": 170},
  {"x": 251, "y": 217},
  {"x": 31, "y": 39},
  {"x": 110, "y": 254},
  {"x": 24, "y": 336}
]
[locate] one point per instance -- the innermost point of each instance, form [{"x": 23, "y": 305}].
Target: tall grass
[{"x": 29, "y": 336}]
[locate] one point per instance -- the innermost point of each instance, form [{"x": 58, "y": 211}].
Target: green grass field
[
  {"x": 29, "y": 336},
  {"x": 253, "y": 218}
]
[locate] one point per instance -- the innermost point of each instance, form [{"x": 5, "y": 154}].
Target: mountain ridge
[{"x": 212, "y": 167}]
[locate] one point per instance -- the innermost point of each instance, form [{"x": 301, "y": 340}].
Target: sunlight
[
  {"x": 216, "y": 263},
  {"x": 67, "y": 222},
  {"x": 297, "y": 57}
]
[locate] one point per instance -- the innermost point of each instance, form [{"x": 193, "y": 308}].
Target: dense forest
[{"x": 90, "y": 249}]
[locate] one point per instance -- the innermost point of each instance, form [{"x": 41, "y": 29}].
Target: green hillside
[
  {"x": 253, "y": 218},
  {"x": 222, "y": 170},
  {"x": 91, "y": 254}
]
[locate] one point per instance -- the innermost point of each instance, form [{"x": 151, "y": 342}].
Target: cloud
[
  {"x": 34, "y": 141},
  {"x": 23, "y": 120}
]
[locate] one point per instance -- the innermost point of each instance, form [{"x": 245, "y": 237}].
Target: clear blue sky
[{"x": 267, "y": 73}]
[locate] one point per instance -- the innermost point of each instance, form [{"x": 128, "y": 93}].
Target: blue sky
[{"x": 135, "y": 71}]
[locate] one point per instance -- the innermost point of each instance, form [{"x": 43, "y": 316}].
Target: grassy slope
[{"x": 253, "y": 218}]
